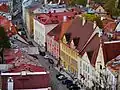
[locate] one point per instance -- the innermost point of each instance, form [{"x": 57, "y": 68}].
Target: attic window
[
  {"x": 99, "y": 10},
  {"x": 68, "y": 36},
  {"x": 76, "y": 41}
]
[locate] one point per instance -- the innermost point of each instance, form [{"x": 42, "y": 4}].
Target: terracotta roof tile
[
  {"x": 7, "y": 25},
  {"x": 110, "y": 27},
  {"x": 83, "y": 32},
  {"x": 4, "y": 8},
  {"x": 111, "y": 50},
  {"x": 114, "y": 64},
  {"x": 54, "y": 18},
  {"x": 27, "y": 67},
  {"x": 92, "y": 46},
  {"x": 59, "y": 30}
]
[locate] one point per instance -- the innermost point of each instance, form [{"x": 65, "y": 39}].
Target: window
[
  {"x": 80, "y": 63},
  {"x": 99, "y": 10},
  {"x": 88, "y": 70},
  {"x": 100, "y": 66}
]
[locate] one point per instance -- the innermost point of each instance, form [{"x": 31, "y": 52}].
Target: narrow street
[{"x": 56, "y": 85}]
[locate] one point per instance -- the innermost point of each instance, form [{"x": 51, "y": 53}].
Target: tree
[
  {"x": 79, "y": 2},
  {"x": 93, "y": 17},
  {"x": 4, "y": 42},
  {"x": 110, "y": 7}
]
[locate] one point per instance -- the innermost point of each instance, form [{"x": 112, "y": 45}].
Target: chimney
[
  {"x": 45, "y": 2},
  {"x": 83, "y": 21},
  {"x": 10, "y": 83},
  {"x": 94, "y": 24},
  {"x": 102, "y": 18},
  {"x": 64, "y": 18}
]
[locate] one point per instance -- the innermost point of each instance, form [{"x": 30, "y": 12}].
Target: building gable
[
  {"x": 100, "y": 59},
  {"x": 100, "y": 9},
  {"x": 118, "y": 27},
  {"x": 85, "y": 57},
  {"x": 64, "y": 39}
]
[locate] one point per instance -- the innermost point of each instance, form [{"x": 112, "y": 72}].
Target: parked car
[
  {"x": 50, "y": 61},
  {"x": 72, "y": 86},
  {"x": 60, "y": 76},
  {"x": 42, "y": 53},
  {"x": 67, "y": 81},
  {"x": 46, "y": 56}
]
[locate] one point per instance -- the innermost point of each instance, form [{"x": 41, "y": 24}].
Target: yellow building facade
[
  {"x": 29, "y": 21},
  {"x": 69, "y": 57}
]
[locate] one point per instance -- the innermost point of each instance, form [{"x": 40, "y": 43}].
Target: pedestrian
[
  {"x": 61, "y": 68},
  {"x": 49, "y": 67}
]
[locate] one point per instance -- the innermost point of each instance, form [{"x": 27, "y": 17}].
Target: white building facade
[{"x": 40, "y": 32}]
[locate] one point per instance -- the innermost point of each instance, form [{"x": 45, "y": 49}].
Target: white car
[{"x": 46, "y": 56}]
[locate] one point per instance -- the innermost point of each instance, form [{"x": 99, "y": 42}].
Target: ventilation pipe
[{"x": 10, "y": 83}]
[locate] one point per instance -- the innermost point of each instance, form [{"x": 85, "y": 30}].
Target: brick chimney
[{"x": 64, "y": 18}]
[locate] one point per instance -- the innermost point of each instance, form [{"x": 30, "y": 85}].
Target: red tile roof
[
  {"x": 78, "y": 30},
  {"x": 92, "y": 47},
  {"x": 16, "y": 57},
  {"x": 114, "y": 64},
  {"x": 111, "y": 50},
  {"x": 27, "y": 67},
  {"x": 23, "y": 62},
  {"x": 109, "y": 25},
  {"x": 7, "y": 25},
  {"x": 54, "y": 18},
  {"x": 4, "y": 8},
  {"x": 59, "y": 30}
]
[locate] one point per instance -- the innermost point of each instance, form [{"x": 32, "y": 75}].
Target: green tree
[
  {"x": 110, "y": 7},
  {"x": 79, "y": 2},
  {"x": 93, "y": 17},
  {"x": 4, "y": 42}
]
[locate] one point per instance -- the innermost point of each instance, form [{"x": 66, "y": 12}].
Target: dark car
[
  {"x": 50, "y": 61},
  {"x": 62, "y": 77},
  {"x": 74, "y": 87},
  {"x": 67, "y": 81},
  {"x": 42, "y": 53},
  {"x": 59, "y": 74}
]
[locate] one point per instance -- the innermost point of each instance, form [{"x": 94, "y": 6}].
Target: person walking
[{"x": 49, "y": 67}]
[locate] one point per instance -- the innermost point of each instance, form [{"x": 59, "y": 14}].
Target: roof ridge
[{"x": 91, "y": 37}]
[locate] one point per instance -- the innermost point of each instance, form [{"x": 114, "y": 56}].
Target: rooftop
[
  {"x": 114, "y": 64},
  {"x": 17, "y": 58},
  {"x": 4, "y": 7},
  {"x": 59, "y": 30},
  {"x": 56, "y": 17},
  {"x": 9, "y": 27}
]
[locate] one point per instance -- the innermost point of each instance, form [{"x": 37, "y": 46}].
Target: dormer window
[
  {"x": 76, "y": 41},
  {"x": 68, "y": 36}
]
